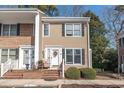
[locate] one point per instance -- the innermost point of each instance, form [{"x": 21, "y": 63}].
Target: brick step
[
  {"x": 51, "y": 72},
  {"x": 12, "y": 77},
  {"x": 13, "y": 74}
]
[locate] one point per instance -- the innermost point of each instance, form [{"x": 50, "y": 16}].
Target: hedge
[
  {"x": 88, "y": 73},
  {"x": 72, "y": 73}
]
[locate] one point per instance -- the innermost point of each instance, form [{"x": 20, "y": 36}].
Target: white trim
[
  {"x": 73, "y": 56},
  {"x": 21, "y": 48},
  {"x": 63, "y": 19},
  {"x": 73, "y": 29},
  {"x": 88, "y": 37},
  {"x": 48, "y": 30},
  {"x": 0, "y": 55},
  {"x": 37, "y": 29}
]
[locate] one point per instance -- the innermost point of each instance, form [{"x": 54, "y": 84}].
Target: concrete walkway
[{"x": 59, "y": 82}]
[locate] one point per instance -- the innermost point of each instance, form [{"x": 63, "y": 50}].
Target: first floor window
[
  {"x": 4, "y": 55},
  {"x": 69, "y": 56},
  {"x": 73, "y": 56},
  {"x": 9, "y": 54}
]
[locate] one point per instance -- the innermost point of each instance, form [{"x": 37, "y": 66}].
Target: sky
[{"x": 97, "y": 9}]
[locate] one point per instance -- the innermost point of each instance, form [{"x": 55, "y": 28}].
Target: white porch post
[{"x": 36, "y": 46}]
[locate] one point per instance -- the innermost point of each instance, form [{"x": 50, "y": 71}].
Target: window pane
[
  {"x": 69, "y": 59},
  {"x": 76, "y": 27},
  {"x": 4, "y": 51},
  {"x": 4, "y": 58},
  {"x": 69, "y": 51},
  {"x": 77, "y": 59},
  {"x": 12, "y": 57},
  {"x": 12, "y": 52},
  {"x": 5, "y": 30},
  {"x": 77, "y": 33},
  {"x": 77, "y": 56},
  {"x": 69, "y": 56},
  {"x": 69, "y": 27},
  {"x": 46, "y": 28},
  {"x": 13, "y": 30},
  {"x": 77, "y": 51}
]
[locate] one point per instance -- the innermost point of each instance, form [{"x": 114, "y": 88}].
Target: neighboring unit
[
  {"x": 121, "y": 50},
  {"x": 28, "y": 35}
]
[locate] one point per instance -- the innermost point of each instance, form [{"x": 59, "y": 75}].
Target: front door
[
  {"x": 53, "y": 56},
  {"x": 27, "y": 58}
]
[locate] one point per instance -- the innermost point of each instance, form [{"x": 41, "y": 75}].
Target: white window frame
[
  {"x": 48, "y": 30},
  {"x": 73, "y": 29},
  {"x": 73, "y": 56},
  {"x": 9, "y": 29}
]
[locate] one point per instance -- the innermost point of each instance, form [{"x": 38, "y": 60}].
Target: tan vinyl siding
[{"x": 56, "y": 38}]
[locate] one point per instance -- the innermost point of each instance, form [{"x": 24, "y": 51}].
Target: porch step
[
  {"x": 50, "y": 74},
  {"x": 12, "y": 75},
  {"x": 32, "y": 74}
]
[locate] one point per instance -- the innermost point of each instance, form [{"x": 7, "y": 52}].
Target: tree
[
  {"x": 114, "y": 18},
  {"x": 50, "y": 10},
  {"x": 111, "y": 58},
  {"x": 98, "y": 41},
  {"x": 74, "y": 10}
]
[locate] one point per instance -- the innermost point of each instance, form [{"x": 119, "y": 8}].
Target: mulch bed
[{"x": 91, "y": 86}]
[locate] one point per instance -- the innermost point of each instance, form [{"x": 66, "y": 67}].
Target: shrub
[
  {"x": 72, "y": 73},
  {"x": 88, "y": 73}
]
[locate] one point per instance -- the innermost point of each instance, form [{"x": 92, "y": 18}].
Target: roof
[{"x": 21, "y": 9}]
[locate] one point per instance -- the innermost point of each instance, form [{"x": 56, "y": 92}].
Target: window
[
  {"x": 77, "y": 56},
  {"x": 69, "y": 56},
  {"x": 73, "y": 56},
  {"x": 9, "y": 54},
  {"x": 12, "y": 54},
  {"x": 4, "y": 55},
  {"x": 9, "y": 30},
  {"x": 46, "y": 29},
  {"x": 69, "y": 29},
  {"x": 73, "y": 29}
]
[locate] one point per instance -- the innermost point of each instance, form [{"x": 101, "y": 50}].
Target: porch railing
[
  {"x": 8, "y": 65},
  {"x": 62, "y": 70}
]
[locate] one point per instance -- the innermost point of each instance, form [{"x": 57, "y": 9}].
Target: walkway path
[{"x": 41, "y": 82}]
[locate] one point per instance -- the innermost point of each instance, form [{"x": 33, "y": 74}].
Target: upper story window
[
  {"x": 46, "y": 29},
  {"x": 73, "y": 29},
  {"x": 9, "y": 30}
]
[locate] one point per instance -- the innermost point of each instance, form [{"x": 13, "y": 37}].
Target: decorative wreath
[{"x": 55, "y": 53}]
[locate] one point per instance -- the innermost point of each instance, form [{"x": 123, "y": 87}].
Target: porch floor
[{"x": 32, "y": 74}]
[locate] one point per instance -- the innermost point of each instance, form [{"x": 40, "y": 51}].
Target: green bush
[
  {"x": 88, "y": 73},
  {"x": 72, "y": 73}
]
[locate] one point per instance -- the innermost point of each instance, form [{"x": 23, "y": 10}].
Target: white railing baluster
[
  {"x": 8, "y": 65},
  {"x": 63, "y": 72}
]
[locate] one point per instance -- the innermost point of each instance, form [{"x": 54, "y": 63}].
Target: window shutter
[
  {"x": 82, "y": 30},
  {"x": 0, "y": 28},
  {"x": 63, "y": 29},
  {"x": 18, "y": 29},
  {"x": 83, "y": 56},
  {"x": 63, "y": 53}
]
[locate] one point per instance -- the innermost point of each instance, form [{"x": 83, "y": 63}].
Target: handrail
[
  {"x": 62, "y": 69},
  {"x": 8, "y": 65}
]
